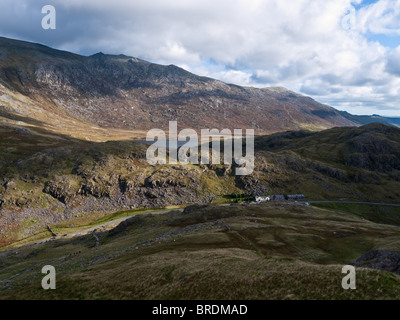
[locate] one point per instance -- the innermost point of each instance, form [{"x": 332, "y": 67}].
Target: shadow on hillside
[{"x": 12, "y": 116}]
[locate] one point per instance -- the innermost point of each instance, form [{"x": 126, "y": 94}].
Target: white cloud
[
  {"x": 318, "y": 47},
  {"x": 382, "y": 17}
]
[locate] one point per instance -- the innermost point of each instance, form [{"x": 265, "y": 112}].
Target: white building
[{"x": 262, "y": 199}]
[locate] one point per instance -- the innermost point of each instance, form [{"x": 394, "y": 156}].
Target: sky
[{"x": 340, "y": 52}]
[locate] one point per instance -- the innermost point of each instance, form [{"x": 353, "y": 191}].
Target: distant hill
[
  {"x": 364, "y": 119},
  {"x": 375, "y": 147}
]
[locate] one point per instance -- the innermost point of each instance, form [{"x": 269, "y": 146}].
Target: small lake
[{"x": 160, "y": 143}]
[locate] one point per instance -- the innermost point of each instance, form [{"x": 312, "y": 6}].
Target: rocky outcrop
[
  {"x": 251, "y": 184},
  {"x": 170, "y": 185},
  {"x": 381, "y": 260},
  {"x": 63, "y": 188}
]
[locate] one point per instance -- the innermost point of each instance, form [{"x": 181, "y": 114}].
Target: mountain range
[{"x": 105, "y": 97}]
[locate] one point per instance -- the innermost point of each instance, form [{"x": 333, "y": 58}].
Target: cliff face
[{"x": 122, "y": 92}]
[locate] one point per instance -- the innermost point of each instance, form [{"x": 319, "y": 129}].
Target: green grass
[
  {"x": 222, "y": 200},
  {"x": 379, "y": 214},
  {"x": 76, "y": 225},
  {"x": 88, "y": 222}
]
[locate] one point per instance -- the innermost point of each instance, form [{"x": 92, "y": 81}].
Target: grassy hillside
[
  {"x": 379, "y": 214},
  {"x": 267, "y": 251},
  {"x": 47, "y": 179},
  {"x": 361, "y": 164}
]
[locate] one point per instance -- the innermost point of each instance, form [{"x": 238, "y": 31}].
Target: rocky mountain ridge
[{"x": 121, "y": 92}]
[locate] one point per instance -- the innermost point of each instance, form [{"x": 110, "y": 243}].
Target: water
[{"x": 194, "y": 142}]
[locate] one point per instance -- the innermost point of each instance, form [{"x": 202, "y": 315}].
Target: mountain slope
[
  {"x": 359, "y": 163},
  {"x": 48, "y": 179},
  {"x": 121, "y": 92}
]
